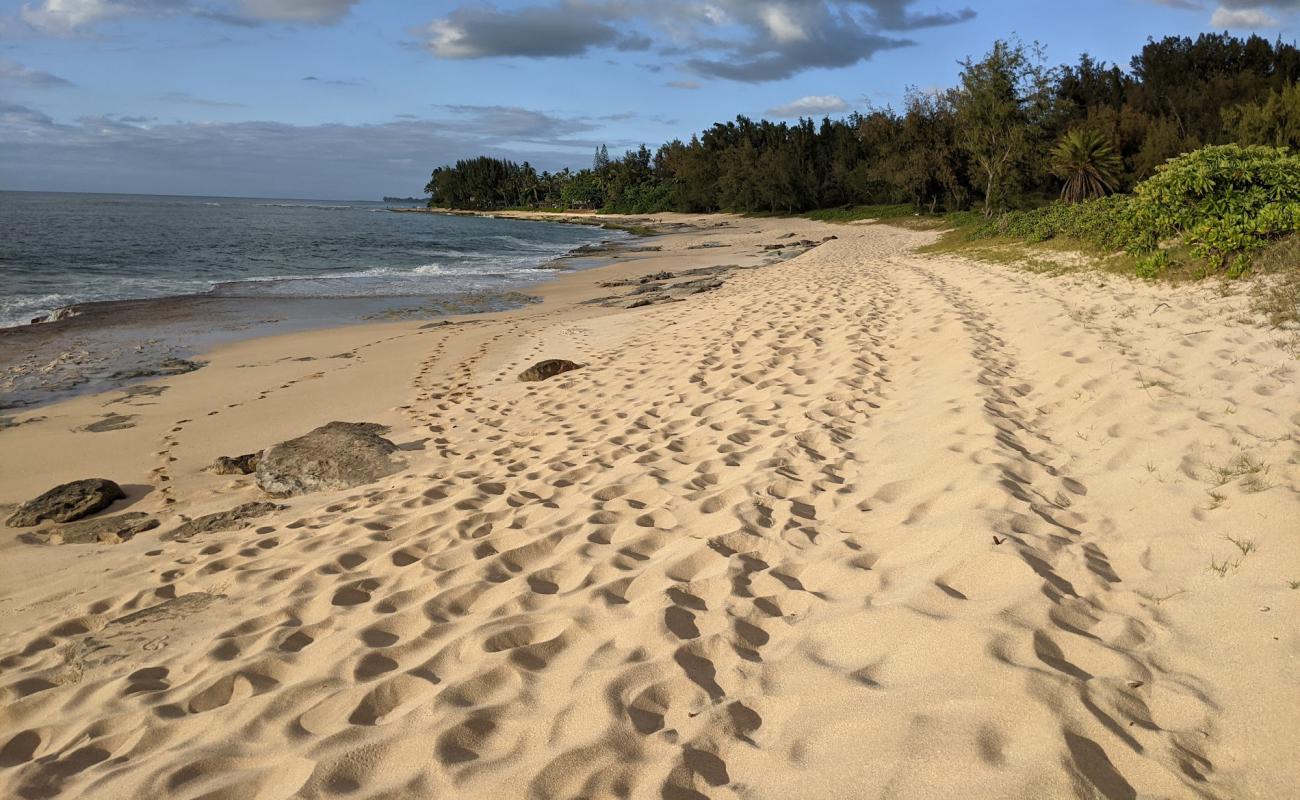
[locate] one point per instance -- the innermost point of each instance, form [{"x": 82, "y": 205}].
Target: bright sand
[{"x": 862, "y": 524}]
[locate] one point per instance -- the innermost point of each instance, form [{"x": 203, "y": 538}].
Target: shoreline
[
  {"x": 851, "y": 517},
  {"x": 99, "y": 346}
]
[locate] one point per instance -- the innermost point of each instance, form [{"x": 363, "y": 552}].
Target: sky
[{"x": 355, "y": 99}]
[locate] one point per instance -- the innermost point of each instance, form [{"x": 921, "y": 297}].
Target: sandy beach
[{"x": 856, "y": 523}]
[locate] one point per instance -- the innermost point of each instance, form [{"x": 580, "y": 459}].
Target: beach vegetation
[
  {"x": 1172, "y": 165},
  {"x": 1087, "y": 164}
]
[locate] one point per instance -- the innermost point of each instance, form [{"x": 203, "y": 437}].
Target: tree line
[{"x": 1011, "y": 134}]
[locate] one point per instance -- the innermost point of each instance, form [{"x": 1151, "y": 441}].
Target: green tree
[
  {"x": 1087, "y": 163},
  {"x": 1002, "y": 103}
]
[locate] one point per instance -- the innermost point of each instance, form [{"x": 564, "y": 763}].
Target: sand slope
[{"x": 862, "y": 524}]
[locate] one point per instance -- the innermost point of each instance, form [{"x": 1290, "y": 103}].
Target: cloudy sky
[{"x": 349, "y": 99}]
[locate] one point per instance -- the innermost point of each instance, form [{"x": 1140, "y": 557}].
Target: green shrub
[{"x": 1223, "y": 203}]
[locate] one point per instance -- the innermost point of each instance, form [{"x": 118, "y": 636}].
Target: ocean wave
[
  {"x": 317, "y": 206},
  {"x": 168, "y": 252}
]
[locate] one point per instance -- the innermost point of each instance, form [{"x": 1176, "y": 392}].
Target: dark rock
[
  {"x": 773, "y": 247},
  {"x": 658, "y": 276},
  {"x": 10, "y": 422},
  {"x": 169, "y": 366},
  {"x": 175, "y": 608},
  {"x": 830, "y": 238},
  {"x": 236, "y": 465},
  {"x": 547, "y": 369},
  {"x": 709, "y": 270},
  {"x": 647, "y": 288},
  {"x": 103, "y": 530},
  {"x": 644, "y": 301},
  {"x": 699, "y": 285},
  {"x": 67, "y": 502},
  {"x": 57, "y": 314},
  {"x": 706, "y": 245},
  {"x": 140, "y": 390},
  {"x": 235, "y": 519},
  {"x": 111, "y": 422},
  {"x": 786, "y": 236},
  {"x": 339, "y": 455}
]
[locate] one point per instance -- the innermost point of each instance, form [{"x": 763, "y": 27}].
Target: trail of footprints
[{"x": 506, "y": 603}]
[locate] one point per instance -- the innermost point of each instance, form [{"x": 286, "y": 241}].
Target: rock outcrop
[
  {"x": 102, "y": 530},
  {"x": 237, "y": 518},
  {"x": 339, "y": 455},
  {"x": 67, "y": 502}
]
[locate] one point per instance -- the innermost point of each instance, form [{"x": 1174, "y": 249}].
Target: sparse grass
[
  {"x": 1217, "y": 499},
  {"x": 1054, "y": 257},
  {"x": 1242, "y": 465},
  {"x": 1224, "y": 566},
  {"x": 1246, "y": 546},
  {"x": 1293, "y": 584},
  {"x": 1158, "y": 599},
  {"x": 1277, "y": 292}
]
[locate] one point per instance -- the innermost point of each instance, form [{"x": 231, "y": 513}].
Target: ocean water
[{"x": 61, "y": 249}]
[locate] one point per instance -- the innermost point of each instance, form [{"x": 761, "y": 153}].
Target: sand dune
[{"x": 860, "y": 524}]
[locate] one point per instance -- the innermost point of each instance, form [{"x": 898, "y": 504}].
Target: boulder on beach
[
  {"x": 235, "y": 519},
  {"x": 236, "y": 465},
  {"x": 67, "y": 502},
  {"x": 101, "y": 530},
  {"x": 543, "y": 370},
  {"x": 339, "y": 455}
]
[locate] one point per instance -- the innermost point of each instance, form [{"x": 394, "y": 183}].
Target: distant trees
[
  {"x": 994, "y": 141},
  {"x": 1273, "y": 120}
]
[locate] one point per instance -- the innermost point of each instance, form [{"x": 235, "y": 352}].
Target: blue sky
[{"x": 353, "y": 99}]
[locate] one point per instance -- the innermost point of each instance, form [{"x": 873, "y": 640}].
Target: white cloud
[
  {"x": 740, "y": 40},
  {"x": 60, "y": 17},
  {"x": 1243, "y": 18},
  {"x": 531, "y": 32},
  {"x": 811, "y": 106},
  {"x": 782, "y": 24},
  {"x": 71, "y": 17},
  {"x": 133, "y": 154},
  {"x": 15, "y": 74}
]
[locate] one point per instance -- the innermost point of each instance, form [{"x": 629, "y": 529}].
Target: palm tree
[{"x": 1088, "y": 164}]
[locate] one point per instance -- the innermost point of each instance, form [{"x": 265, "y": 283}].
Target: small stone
[
  {"x": 543, "y": 370},
  {"x": 111, "y": 422},
  {"x": 236, "y": 465}
]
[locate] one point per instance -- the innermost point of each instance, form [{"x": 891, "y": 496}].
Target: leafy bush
[{"x": 1223, "y": 203}]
